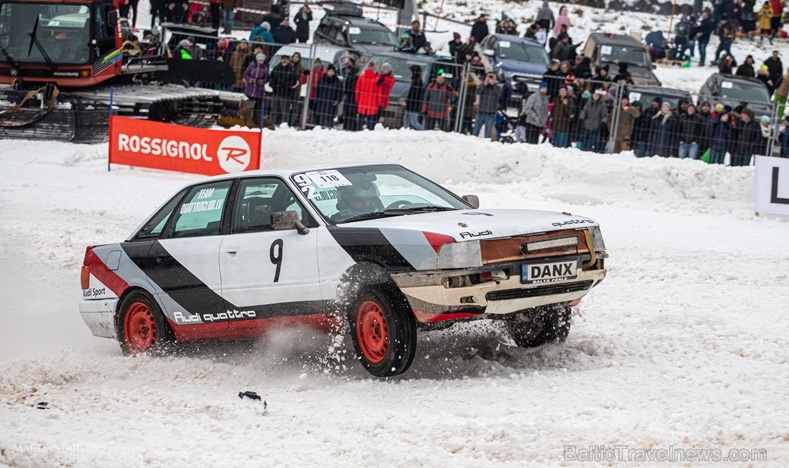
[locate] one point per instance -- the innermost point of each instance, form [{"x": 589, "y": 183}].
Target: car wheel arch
[{"x": 122, "y": 298}]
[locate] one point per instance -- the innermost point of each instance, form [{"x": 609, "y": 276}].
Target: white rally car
[{"x": 376, "y": 247}]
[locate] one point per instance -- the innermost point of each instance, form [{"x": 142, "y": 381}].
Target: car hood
[
  {"x": 641, "y": 75},
  {"x": 464, "y": 225},
  {"x": 516, "y": 66}
]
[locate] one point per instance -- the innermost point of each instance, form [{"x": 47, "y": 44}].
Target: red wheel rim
[
  {"x": 372, "y": 331},
  {"x": 139, "y": 328}
]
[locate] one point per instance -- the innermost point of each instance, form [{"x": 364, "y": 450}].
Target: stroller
[{"x": 505, "y": 126}]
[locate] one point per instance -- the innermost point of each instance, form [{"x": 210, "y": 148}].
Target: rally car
[{"x": 374, "y": 249}]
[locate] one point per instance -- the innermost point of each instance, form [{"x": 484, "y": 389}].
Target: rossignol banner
[
  {"x": 157, "y": 145},
  {"x": 772, "y": 185}
]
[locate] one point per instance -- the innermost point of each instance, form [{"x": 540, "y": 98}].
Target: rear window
[
  {"x": 633, "y": 55},
  {"x": 522, "y": 52},
  {"x": 745, "y": 92}
]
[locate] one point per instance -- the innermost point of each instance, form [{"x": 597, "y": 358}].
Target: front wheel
[
  {"x": 384, "y": 331},
  {"x": 142, "y": 326},
  {"x": 547, "y": 325}
]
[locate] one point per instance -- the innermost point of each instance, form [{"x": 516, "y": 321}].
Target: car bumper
[
  {"x": 99, "y": 316},
  {"x": 432, "y": 300}
]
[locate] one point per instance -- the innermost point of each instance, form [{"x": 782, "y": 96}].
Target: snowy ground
[{"x": 683, "y": 346}]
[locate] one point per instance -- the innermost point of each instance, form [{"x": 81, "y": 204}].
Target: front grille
[{"x": 547, "y": 290}]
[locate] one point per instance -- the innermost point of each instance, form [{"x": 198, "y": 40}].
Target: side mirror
[
  {"x": 654, "y": 66},
  {"x": 284, "y": 220},
  {"x": 472, "y": 200}
]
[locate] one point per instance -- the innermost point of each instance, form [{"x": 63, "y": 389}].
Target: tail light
[
  {"x": 84, "y": 277},
  {"x": 437, "y": 240}
]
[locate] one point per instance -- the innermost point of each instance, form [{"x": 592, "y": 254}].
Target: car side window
[
  {"x": 154, "y": 227},
  {"x": 257, "y": 199},
  {"x": 200, "y": 213}
]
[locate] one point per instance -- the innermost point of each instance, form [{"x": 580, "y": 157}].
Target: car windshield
[
  {"x": 522, "y": 52},
  {"x": 633, "y": 55},
  {"x": 63, "y": 31},
  {"x": 646, "y": 98},
  {"x": 744, "y": 92},
  {"x": 371, "y": 36},
  {"x": 401, "y": 67},
  {"x": 364, "y": 192}
]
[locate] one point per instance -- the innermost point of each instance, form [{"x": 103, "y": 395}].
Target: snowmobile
[{"x": 64, "y": 63}]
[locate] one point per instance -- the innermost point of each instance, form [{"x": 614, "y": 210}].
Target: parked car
[
  {"x": 378, "y": 248},
  {"x": 344, "y": 26},
  {"x": 735, "y": 90},
  {"x": 401, "y": 62},
  {"x": 646, "y": 94},
  {"x": 613, "y": 49},
  {"x": 520, "y": 59}
]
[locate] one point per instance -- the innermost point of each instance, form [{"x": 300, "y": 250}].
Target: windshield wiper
[
  {"x": 34, "y": 40},
  {"x": 8, "y": 56},
  {"x": 419, "y": 209},
  {"x": 373, "y": 215}
]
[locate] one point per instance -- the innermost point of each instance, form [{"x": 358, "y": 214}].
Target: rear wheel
[
  {"x": 384, "y": 331},
  {"x": 143, "y": 328},
  {"x": 547, "y": 325}
]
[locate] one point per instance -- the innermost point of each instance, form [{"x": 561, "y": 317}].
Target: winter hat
[
  {"x": 666, "y": 105},
  {"x": 543, "y": 84},
  {"x": 718, "y": 107},
  {"x": 190, "y": 39},
  {"x": 330, "y": 67},
  {"x": 371, "y": 64},
  {"x": 223, "y": 44},
  {"x": 748, "y": 112},
  {"x": 738, "y": 109},
  {"x": 386, "y": 67},
  {"x": 562, "y": 36},
  {"x": 658, "y": 100},
  {"x": 455, "y": 35},
  {"x": 764, "y": 120},
  {"x": 266, "y": 25},
  {"x": 260, "y": 57},
  {"x": 727, "y": 108},
  {"x": 604, "y": 67},
  {"x": 415, "y": 69}
]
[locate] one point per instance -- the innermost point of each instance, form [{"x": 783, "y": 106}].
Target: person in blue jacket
[{"x": 720, "y": 136}]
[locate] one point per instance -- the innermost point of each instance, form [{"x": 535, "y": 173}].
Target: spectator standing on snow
[
  {"x": 489, "y": 93},
  {"x": 747, "y": 139},
  {"x": 228, "y": 16},
  {"x": 690, "y": 128},
  {"x": 262, "y": 33},
  {"x": 302, "y": 22},
  {"x": 256, "y": 78},
  {"x": 535, "y": 113},
  {"x": 593, "y": 116},
  {"x": 413, "y": 102},
  {"x": 725, "y": 34},
  {"x": 350, "y": 118},
  {"x": 237, "y": 60},
  {"x": 624, "y": 129},
  {"x": 555, "y": 79},
  {"x": 703, "y": 33},
  {"x": 663, "y": 131},
  {"x": 455, "y": 45},
  {"x": 562, "y": 20},
  {"x": 781, "y": 92},
  {"x": 774, "y": 69},
  {"x": 479, "y": 30},
  {"x": 436, "y": 104},
  {"x": 283, "y": 79},
  {"x": 386, "y": 81},
  {"x": 707, "y": 119},
  {"x": 562, "y": 114},
  {"x": 545, "y": 16},
  {"x": 720, "y": 135},
  {"x": 775, "y": 20},
  {"x": 367, "y": 97},
  {"x": 765, "y": 28},
  {"x": 284, "y": 34},
  {"x": 328, "y": 95},
  {"x": 746, "y": 69}
]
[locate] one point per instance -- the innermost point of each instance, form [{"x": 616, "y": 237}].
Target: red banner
[{"x": 157, "y": 145}]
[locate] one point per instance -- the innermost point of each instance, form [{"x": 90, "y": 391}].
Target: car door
[
  {"x": 267, "y": 273},
  {"x": 184, "y": 264}
]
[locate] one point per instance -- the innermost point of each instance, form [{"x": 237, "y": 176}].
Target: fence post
[
  {"x": 305, "y": 109},
  {"x": 773, "y": 131},
  {"x": 462, "y": 98},
  {"x": 615, "y": 116}
]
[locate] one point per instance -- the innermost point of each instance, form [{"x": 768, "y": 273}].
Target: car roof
[
  {"x": 718, "y": 77},
  {"x": 516, "y": 39},
  {"x": 287, "y": 171},
  {"x": 660, "y": 90},
  {"x": 325, "y": 52},
  {"x": 617, "y": 39},
  {"x": 360, "y": 21},
  {"x": 407, "y": 56}
]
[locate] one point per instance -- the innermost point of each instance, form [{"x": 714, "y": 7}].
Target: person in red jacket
[
  {"x": 386, "y": 81},
  {"x": 436, "y": 103},
  {"x": 775, "y": 20},
  {"x": 367, "y": 97},
  {"x": 317, "y": 73}
]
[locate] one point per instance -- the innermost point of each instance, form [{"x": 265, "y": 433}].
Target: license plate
[{"x": 549, "y": 272}]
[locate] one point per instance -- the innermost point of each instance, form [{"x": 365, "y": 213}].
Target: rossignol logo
[
  {"x": 160, "y": 147},
  {"x": 234, "y": 154}
]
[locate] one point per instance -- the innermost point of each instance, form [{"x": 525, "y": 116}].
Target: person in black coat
[
  {"x": 479, "y": 30},
  {"x": 747, "y": 139},
  {"x": 284, "y": 34},
  {"x": 746, "y": 69},
  {"x": 691, "y": 129},
  {"x": 282, "y": 79},
  {"x": 663, "y": 132},
  {"x": 302, "y": 21},
  {"x": 413, "y": 102},
  {"x": 721, "y": 133},
  {"x": 328, "y": 95},
  {"x": 350, "y": 119}
]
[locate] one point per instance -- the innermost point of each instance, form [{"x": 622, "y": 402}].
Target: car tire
[
  {"x": 383, "y": 330},
  {"x": 548, "y": 325},
  {"x": 142, "y": 327}
]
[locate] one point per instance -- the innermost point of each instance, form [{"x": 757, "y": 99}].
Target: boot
[{"x": 701, "y": 63}]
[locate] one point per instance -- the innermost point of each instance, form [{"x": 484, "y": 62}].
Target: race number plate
[{"x": 538, "y": 273}]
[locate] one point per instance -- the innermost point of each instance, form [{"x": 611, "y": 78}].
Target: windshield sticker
[
  {"x": 605, "y": 50},
  {"x": 634, "y": 96},
  {"x": 727, "y": 84},
  {"x": 324, "y": 179},
  {"x": 355, "y": 31},
  {"x": 198, "y": 207},
  {"x": 504, "y": 44}
]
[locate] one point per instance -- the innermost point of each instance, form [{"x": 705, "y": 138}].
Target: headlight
[
  {"x": 597, "y": 239},
  {"x": 460, "y": 255}
]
